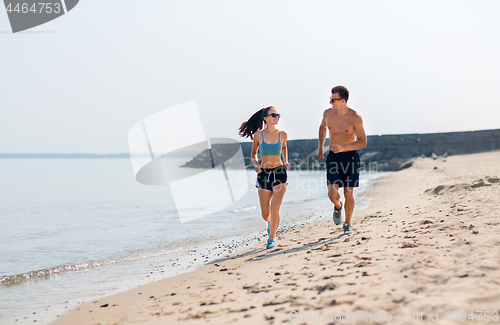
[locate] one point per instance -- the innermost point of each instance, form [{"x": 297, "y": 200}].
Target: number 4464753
[
  {"x": 473, "y": 315},
  {"x": 35, "y": 8}
]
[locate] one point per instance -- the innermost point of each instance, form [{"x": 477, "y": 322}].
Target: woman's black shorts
[
  {"x": 270, "y": 177},
  {"x": 343, "y": 168}
]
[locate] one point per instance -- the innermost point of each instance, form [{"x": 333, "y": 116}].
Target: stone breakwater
[{"x": 383, "y": 152}]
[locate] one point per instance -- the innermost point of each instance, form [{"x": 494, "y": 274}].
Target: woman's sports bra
[{"x": 267, "y": 149}]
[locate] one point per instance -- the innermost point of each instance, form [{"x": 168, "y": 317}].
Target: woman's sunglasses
[{"x": 273, "y": 115}]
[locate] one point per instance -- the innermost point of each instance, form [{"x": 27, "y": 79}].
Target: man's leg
[
  {"x": 333, "y": 195},
  {"x": 349, "y": 203}
]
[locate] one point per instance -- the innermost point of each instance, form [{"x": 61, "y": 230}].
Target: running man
[{"x": 347, "y": 135}]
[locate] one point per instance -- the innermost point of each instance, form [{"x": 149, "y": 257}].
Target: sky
[{"x": 79, "y": 83}]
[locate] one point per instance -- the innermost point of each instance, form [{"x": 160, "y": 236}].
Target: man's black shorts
[
  {"x": 343, "y": 168},
  {"x": 270, "y": 177}
]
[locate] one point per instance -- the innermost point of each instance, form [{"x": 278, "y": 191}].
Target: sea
[{"x": 75, "y": 230}]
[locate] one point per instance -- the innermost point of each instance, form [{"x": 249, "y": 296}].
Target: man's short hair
[{"x": 342, "y": 91}]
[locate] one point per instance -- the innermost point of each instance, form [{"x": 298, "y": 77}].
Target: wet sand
[{"x": 428, "y": 244}]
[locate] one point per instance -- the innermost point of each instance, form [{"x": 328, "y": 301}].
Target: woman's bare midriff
[{"x": 269, "y": 162}]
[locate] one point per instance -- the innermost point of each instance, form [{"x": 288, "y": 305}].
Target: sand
[{"x": 427, "y": 248}]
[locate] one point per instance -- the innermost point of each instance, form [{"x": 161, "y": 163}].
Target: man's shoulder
[
  {"x": 327, "y": 111},
  {"x": 354, "y": 114}
]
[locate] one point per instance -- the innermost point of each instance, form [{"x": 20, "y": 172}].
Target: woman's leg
[
  {"x": 278, "y": 194},
  {"x": 265, "y": 197}
]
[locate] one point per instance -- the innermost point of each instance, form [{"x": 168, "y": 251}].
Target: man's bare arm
[
  {"x": 322, "y": 137},
  {"x": 360, "y": 133}
]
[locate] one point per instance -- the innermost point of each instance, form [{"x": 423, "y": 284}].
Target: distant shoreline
[
  {"x": 389, "y": 152},
  {"x": 63, "y": 156}
]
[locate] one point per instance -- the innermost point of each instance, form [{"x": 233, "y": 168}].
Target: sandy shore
[{"x": 429, "y": 244}]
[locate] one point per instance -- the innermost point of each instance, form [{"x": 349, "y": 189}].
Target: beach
[
  {"x": 426, "y": 249},
  {"x": 84, "y": 236}
]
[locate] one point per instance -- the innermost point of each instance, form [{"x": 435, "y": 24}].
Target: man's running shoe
[
  {"x": 337, "y": 214},
  {"x": 270, "y": 243},
  {"x": 268, "y": 229},
  {"x": 347, "y": 229}
]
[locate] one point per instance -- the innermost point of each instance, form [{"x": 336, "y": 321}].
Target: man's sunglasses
[
  {"x": 334, "y": 99},
  {"x": 273, "y": 115}
]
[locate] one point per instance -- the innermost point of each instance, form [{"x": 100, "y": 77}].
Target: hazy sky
[{"x": 80, "y": 82}]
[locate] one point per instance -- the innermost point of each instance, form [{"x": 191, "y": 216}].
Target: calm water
[{"x": 72, "y": 230}]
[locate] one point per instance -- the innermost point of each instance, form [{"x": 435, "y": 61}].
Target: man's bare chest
[{"x": 341, "y": 125}]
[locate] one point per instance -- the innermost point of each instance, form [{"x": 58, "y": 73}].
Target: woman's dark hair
[{"x": 254, "y": 123}]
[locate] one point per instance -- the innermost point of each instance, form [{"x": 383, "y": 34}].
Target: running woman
[{"x": 271, "y": 172}]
